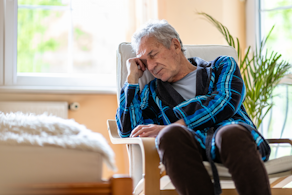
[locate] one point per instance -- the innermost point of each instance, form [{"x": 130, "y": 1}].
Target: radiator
[{"x": 59, "y": 109}]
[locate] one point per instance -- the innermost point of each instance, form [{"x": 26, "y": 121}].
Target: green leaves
[
  {"x": 261, "y": 71},
  {"x": 33, "y": 39}
]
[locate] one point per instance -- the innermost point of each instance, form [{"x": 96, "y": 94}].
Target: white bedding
[
  {"x": 43, "y": 130},
  {"x": 30, "y": 164}
]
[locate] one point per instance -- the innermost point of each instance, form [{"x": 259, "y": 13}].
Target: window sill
[{"x": 58, "y": 90}]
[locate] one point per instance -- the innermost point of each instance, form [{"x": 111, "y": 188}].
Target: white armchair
[{"x": 143, "y": 157}]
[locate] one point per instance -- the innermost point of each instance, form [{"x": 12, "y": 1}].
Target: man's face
[{"x": 163, "y": 63}]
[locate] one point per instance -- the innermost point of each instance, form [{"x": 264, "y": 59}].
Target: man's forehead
[{"x": 147, "y": 45}]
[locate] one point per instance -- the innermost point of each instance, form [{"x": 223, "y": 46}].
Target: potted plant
[{"x": 261, "y": 71}]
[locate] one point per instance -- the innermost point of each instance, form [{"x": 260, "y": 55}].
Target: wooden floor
[{"x": 117, "y": 185}]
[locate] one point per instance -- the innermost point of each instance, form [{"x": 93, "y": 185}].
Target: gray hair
[{"x": 160, "y": 29}]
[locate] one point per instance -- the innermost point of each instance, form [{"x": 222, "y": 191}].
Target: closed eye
[{"x": 153, "y": 55}]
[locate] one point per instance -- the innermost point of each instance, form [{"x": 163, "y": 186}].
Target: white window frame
[
  {"x": 10, "y": 81},
  {"x": 253, "y": 30},
  {"x": 1, "y": 41}
]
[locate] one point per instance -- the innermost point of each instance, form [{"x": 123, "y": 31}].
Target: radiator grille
[{"x": 59, "y": 109}]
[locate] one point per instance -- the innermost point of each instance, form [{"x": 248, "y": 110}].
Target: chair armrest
[
  {"x": 149, "y": 154},
  {"x": 279, "y": 141},
  {"x": 114, "y": 135}
]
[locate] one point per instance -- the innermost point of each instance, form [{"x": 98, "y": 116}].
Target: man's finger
[
  {"x": 144, "y": 62},
  {"x": 141, "y": 130},
  {"x": 137, "y": 133},
  {"x": 141, "y": 64},
  {"x": 146, "y": 134},
  {"x": 137, "y": 129}
]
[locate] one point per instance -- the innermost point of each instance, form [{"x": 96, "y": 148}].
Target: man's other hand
[
  {"x": 135, "y": 68},
  {"x": 181, "y": 122},
  {"x": 146, "y": 130}
]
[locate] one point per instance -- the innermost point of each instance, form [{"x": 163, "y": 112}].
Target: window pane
[
  {"x": 98, "y": 27},
  {"x": 74, "y": 37},
  {"x": 277, "y": 123},
  {"x": 271, "y": 4},
  {"x": 43, "y": 2},
  {"x": 42, "y": 41},
  {"x": 281, "y": 37}
]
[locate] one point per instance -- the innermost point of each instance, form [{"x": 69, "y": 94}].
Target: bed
[{"x": 43, "y": 154}]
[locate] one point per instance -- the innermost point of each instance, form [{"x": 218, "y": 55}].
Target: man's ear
[{"x": 176, "y": 44}]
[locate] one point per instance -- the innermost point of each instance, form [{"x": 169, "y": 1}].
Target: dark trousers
[{"x": 182, "y": 156}]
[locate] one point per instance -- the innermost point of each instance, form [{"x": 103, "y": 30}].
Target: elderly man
[{"x": 195, "y": 110}]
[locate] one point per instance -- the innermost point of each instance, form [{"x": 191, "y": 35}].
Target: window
[
  {"x": 61, "y": 44},
  {"x": 1, "y": 42},
  {"x": 261, "y": 16},
  {"x": 277, "y": 13}
]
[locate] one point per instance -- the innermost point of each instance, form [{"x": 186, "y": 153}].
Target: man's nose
[{"x": 151, "y": 64}]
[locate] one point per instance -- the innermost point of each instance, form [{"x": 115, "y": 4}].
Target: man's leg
[
  {"x": 182, "y": 155},
  {"x": 238, "y": 152}
]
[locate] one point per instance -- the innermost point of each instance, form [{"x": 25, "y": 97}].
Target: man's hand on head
[
  {"x": 135, "y": 68},
  {"x": 147, "y": 130}
]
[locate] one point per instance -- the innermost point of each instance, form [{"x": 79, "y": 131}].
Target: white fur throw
[{"x": 44, "y": 130}]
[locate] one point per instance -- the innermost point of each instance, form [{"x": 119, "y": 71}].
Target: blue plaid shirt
[{"x": 218, "y": 102}]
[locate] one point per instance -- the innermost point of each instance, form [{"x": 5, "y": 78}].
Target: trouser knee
[
  {"x": 233, "y": 139},
  {"x": 169, "y": 136},
  {"x": 174, "y": 140},
  {"x": 232, "y": 134}
]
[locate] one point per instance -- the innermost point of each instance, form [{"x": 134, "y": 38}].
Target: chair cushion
[
  {"x": 273, "y": 166},
  {"x": 279, "y": 165}
]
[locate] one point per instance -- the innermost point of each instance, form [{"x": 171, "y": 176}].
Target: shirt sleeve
[
  {"x": 129, "y": 114},
  {"x": 226, "y": 95},
  {"x": 134, "y": 109}
]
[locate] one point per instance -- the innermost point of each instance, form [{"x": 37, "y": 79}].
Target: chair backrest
[{"x": 206, "y": 52}]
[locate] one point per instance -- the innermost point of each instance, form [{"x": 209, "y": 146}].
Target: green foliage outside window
[
  {"x": 281, "y": 37},
  {"x": 42, "y": 45},
  {"x": 31, "y": 40},
  {"x": 41, "y": 2},
  {"x": 278, "y": 13}
]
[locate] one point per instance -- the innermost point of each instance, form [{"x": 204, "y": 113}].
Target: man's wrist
[
  {"x": 132, "y": 79},
  {"x": 181, "y": 122}
]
